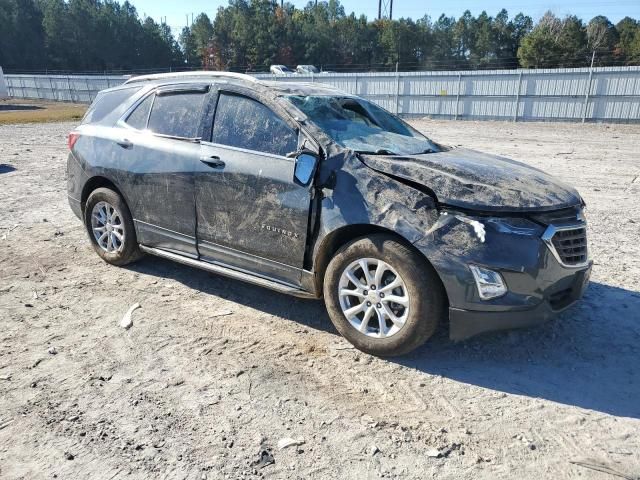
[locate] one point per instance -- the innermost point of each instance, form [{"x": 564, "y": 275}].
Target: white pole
[{"x": 4, "y": 91}]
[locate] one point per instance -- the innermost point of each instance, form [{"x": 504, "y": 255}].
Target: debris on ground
[
  {"x": 433, "y": 453},
  {"x": 265, "y": 458},
  {"x": 289, "y": 442},
  {"x": 601, "y": 467},
  {"x": 127, "y": 320}
]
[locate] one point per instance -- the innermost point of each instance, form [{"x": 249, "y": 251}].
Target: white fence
[{"x": 608, "y": 94}]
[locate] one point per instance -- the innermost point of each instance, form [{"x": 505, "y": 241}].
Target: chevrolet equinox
[{"x": 314, "y": 192}]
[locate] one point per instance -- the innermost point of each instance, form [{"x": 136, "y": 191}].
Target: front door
[{"x": 251, "y": 215}]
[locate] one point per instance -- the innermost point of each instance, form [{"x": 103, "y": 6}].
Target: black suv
[{"x": 314, "y": 192}]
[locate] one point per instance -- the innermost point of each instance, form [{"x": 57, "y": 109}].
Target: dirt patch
[
  {"x": 15, "y": 110},
  {"x": 214, "y": 374}
]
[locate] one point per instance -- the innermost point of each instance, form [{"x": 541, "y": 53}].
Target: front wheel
[
  {"x": 110, "y": 227},
  {"x": 382, "y": 296}
]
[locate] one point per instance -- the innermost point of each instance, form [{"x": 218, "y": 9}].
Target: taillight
[{"x": 72, "y": 139}]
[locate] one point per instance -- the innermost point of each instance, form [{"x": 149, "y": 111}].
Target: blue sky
[{"x": 176, "y": 12}]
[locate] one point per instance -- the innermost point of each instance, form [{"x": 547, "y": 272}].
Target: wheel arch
[
  {"x": 340, "y": 237},
  {"x": 99, "y": 182}
]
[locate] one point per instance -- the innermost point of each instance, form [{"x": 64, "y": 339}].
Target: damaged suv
[{"x": 314, "y": 192}]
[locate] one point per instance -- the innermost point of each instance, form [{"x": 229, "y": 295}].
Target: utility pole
[{"x": 385, "y": 9}]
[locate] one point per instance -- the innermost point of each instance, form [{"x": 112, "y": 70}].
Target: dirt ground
[{"x": 214, "y": 371}]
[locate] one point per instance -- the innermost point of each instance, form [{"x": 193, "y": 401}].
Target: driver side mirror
[{"x": 306, "y": 163}]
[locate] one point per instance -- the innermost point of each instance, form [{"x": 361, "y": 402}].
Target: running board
[{"x": 228, "y": 272}]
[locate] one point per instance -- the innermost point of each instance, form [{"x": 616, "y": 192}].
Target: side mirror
[{"x": 306, "y": 164}]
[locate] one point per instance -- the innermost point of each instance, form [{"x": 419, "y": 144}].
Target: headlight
[
  {"x": 511, "y": 225},
  {"x": 515, "y": 226},
  {"x": 490, "y": 284}
]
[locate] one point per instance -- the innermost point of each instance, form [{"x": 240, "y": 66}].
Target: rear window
[
  {"x": 107, "y": 102},
  {"x": 177, "y": 114}
]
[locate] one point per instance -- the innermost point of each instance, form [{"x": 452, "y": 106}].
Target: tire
[
  {"x": 121, "y": 252},
  {"x": 421, "y": 291}
]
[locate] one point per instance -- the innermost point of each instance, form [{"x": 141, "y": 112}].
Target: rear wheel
[
  {"x": 382, "y": 296},
  {"x": 110, "y": 227}
]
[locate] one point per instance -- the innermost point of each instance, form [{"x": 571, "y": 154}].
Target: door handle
[
  {"x": 125, "y": 143},
  {"x": 213, "y": 161}
]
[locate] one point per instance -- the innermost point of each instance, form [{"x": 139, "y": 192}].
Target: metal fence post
[
  {"x": 397, "y": 91},
  {"x": 586, "y": 95},
  {"x": 458, "y": 95},
  {"x": 54, "y": 94},
  {"x": 517, "y": 104},
  {"x": 70, "y": 92},
  {"x": 88, "y": 90},
  {"x": 356, "y": 88}
]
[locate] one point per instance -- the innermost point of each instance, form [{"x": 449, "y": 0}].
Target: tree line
[{"x": 251, "y": 35}]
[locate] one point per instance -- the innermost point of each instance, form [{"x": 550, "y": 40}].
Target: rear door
[
  {"x": 160, "y": 145},
  {"x": 251, "y": 215}
]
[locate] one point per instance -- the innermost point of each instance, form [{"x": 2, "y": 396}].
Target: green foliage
[
  {"x": 82, "y": 35},
  {"x": 628, "y": 46}
]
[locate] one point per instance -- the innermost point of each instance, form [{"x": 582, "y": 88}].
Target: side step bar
[{"x": 228, "y": 272}]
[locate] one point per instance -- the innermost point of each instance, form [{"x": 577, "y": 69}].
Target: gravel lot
[{"x": 214, "y": 371}]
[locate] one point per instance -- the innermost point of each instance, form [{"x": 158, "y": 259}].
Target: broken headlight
[{"x": 515, "y": 226}]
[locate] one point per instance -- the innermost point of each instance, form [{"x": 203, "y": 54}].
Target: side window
[
  {"x": 177, "y": 114},
  {"x": 245, "y": 123},
  {"x": 107, "y": 102},
  {"x": 138, "y": 118}
]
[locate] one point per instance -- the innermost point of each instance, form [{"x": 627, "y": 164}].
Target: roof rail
[{"x": 196, "y": 74}]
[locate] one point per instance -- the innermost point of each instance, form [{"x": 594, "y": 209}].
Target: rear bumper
[
  {"x": 464, "y": 324},
  {"x": 76, "y": 206}
]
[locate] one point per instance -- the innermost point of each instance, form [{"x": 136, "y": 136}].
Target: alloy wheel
[
  {"x": 107, "y": 227},
  {"x": 373, "y": 298}
]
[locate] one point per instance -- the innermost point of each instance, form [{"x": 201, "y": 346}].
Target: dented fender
[{"x": 350, "y": 194}]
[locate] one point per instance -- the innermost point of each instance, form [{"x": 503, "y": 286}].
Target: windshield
[{"x": 362, "y": 126}]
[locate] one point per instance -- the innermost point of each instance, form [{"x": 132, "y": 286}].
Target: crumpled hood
[{"x": 477, "y": 181}]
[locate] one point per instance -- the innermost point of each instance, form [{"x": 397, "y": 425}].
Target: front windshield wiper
[{"x": 381, "y": 151}]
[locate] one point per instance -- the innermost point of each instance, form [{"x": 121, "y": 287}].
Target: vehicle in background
[
  {"x": 315, "y": 192},
  {"x": 307, "y": 70},
  {"x": 281, "y": 70}
]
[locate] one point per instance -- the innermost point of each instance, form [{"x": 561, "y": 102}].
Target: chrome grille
[{"x": 568, "y": 244}]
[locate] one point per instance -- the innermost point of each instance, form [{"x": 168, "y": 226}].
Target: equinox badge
[{"x": 281, "y": 231}]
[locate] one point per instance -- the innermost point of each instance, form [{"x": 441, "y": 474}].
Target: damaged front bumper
[
  {"x": 563, "y": 294},
  {"x": 538, "y": 285}
]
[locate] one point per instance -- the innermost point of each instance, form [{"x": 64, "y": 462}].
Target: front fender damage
[
  {"x": 351, "y": 194},
  {"x": 354, "y": 194}
]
